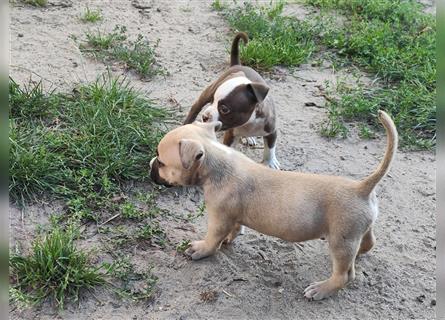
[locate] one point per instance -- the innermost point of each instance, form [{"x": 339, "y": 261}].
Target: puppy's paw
[
  {"x": 248, "y": 141},
  {"x": 319, "y": 290},
  {"x": 198, "y": 250},
  {"x": 272, "y": 163}
]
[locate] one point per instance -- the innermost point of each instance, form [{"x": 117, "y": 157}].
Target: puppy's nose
[
  {"x": 206, "y": 118},
  {"x": 151, "y": 162}
]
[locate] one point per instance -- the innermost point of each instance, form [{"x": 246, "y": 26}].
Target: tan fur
[{"x": 290, "y": 205}]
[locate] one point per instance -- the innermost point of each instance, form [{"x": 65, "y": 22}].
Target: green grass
[
  {"x": 199, "y": 212},
  {"x": 396, "y": 42},
  {"x": 90, "y": 15},
  {"x": 36, "y": 3},
  {"x": 217, "y": 5},
  {"x": 134, "y": 285},
  {"x": 274, "y": 39},
  {"x": 393, "y": 41},
  {"x": 55, "y": 269},
  {"x": 182, "y": 246},
  {"x": 82, "y": 146},
  {"x": 138, "y": 55}
]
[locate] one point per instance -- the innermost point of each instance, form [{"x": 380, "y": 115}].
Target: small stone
[
  {"x": 421, "y": 298},
  {"x": 280, "y": 290},
  {"x": 433, "y": 302},
  {"x": 20, "y": 35},
  {"x": 277, "y": 283},
  {"x": 342, "y": 158},
  {"x": 158, "y": 9}
]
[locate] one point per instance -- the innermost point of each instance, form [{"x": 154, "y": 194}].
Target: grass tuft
[
  {"x": 396, "y": 41},
  {"x": 217, "y": 5},
  {"x": 274, "y": 38},
  {"x": 134, "y": 285},
  {"x": 55, "y": 269},
  {"x": 36, "y": 3},
  {"x": 81, "y": 146},
  {"x": 138, "y": 55},
  {"x": 90, "y": 15}
]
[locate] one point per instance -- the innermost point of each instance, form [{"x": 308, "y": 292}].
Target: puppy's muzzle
[{"x": 154, "y": 173}]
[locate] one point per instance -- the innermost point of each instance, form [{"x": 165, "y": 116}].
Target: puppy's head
[
  {"x": 180, "y": 154},
  {"x": 234, "y": 102}
]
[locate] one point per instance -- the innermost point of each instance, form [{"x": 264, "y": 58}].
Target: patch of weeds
[
  {"x": 274, "y": 38},
  {"x": 134, "y": 285},
  {"x": 199, "y": 213},
  {"x": 129, "y": 211},
  {"x": 80, "y": 146},
  {"x": 183, "y": 245},
  {"x": 138, "y": 55},
  {"x": 396, "y": 41},
  {"x": 366, "y": 132},
  {"x": 90, "y": 15},
  {"x": 54, "y": 269},
  {"x": 217, "y": 5},
  {"x": 151, "y": 232},
  {"x": 36, "y": 3}
]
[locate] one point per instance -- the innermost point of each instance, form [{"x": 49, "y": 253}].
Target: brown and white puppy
[
  {"x": 290, "y": 205},
  {"x": 240, "y": 99}
]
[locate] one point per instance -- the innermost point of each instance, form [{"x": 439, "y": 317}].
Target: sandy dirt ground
[{"x": 258, "y": 277}]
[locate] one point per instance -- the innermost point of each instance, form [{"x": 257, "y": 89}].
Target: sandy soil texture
[{"x": 258, "y": 277}]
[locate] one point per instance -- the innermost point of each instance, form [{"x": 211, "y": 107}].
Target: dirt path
[{"x": 258, "y": 277}]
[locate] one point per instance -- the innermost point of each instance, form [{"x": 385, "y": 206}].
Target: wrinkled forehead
[
  {"x": 229, "y": 86},
  {"x": 168, "y": 147}
]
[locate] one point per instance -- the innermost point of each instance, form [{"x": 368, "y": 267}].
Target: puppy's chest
[{"x": 254, "y": 127}]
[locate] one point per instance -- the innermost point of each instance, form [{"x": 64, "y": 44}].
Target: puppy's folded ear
[
  {"x": 258, "y": 90},
  {"x": 191, "y": 153}
]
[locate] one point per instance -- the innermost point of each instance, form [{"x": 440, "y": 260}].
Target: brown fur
[
  {"x": 244, "y": 101},
  {"x": 290, "y": 205}
]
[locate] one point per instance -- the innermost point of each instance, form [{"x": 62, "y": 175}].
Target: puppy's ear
[
  {"x": 191, "y": 152},
  {"x": 211, "y": 126},
  {"x": 258, "y": 90}
]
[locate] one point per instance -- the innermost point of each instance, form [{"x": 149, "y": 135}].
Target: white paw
[
  {"x": 318, "y": 290},
  {"x": 272, "y": 163},
  {"x": 248, "y": 141},
  {"x": 198, "y": 250}
]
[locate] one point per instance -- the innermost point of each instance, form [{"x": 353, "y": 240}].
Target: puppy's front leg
[
  {"x": 217, "y": 230},
  {"x": 269, "y": 157},
  {"x": 229, "y": 137}
]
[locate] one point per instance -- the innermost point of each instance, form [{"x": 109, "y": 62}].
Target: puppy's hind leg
[
  {"x": 343, "y": 252},
  {"x": 269, "y": 157},
  {"x": 367, "y": 242}
]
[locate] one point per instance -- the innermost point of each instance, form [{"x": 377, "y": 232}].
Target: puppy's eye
[{"x": 223, "y": 109}]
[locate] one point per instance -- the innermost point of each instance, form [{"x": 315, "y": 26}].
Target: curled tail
[
  {"x": 234, "y": 53},
  {"x": 368, "y": 184}
]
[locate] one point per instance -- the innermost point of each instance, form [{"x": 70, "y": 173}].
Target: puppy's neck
[{"x": 217, "y": 168}]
